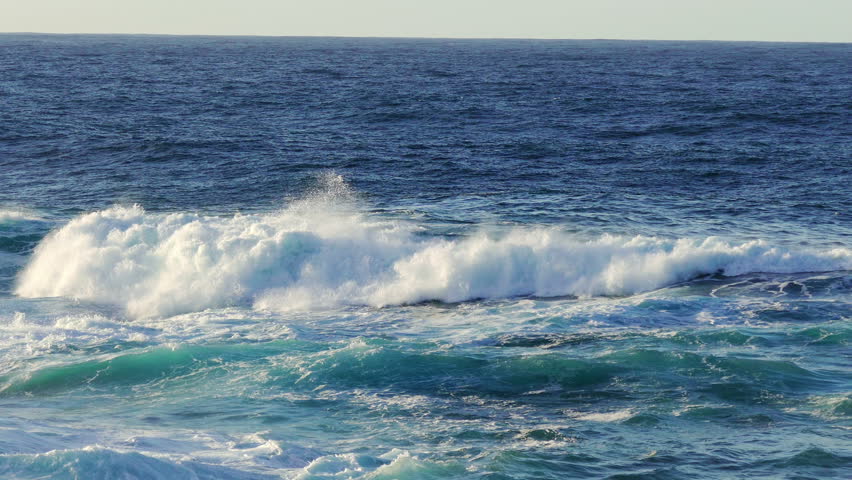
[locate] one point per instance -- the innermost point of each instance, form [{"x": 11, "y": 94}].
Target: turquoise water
[{"x": 233, "y": 258}]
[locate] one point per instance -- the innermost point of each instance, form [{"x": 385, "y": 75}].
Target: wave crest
[{"x": 312, "y": 255}]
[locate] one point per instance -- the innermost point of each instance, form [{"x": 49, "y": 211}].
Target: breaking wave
[{"x": 322, "y": 252}]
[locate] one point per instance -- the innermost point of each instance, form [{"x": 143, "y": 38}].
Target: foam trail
[{"x": 312, "y": 255}]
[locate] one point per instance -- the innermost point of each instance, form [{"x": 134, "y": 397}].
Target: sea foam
[
  {"x": 316, "y": 254},
  {"x": 13, "y": 214}
]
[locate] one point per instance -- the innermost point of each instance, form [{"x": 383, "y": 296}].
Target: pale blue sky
[{"x": 774, "y": 20}]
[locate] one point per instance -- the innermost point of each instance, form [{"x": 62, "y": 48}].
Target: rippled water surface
[{"x": 258, "y": 258}]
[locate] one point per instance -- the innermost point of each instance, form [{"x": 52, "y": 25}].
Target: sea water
[{"x": 308, "y": 258}]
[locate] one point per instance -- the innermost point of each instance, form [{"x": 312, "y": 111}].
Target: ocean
[{"x": 336, "y": 258}]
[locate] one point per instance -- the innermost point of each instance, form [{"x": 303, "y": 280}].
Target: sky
[{"x": 762, "y": 20}]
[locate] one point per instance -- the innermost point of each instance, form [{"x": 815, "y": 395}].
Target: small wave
[
  {"x": 322, "y": 252},
  {"x": 20, "y": 231},
  {"x": 127, "y": 368},
  {"x": 18, "y": 214},
  {"x": 97, "y": 462},
  {"x": 616, "y": 416},
  {"x": 422, "y": 370},
  {"x": 415, "y": 370},
  {"x": 814, "y": 457}
]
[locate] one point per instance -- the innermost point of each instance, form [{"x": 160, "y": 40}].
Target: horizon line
[{"x": 416, "y": 37}]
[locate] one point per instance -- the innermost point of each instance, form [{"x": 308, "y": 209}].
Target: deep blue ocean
[{"x": 330, "y": 258}]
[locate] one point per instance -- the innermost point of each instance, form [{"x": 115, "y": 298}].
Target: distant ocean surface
[{"x": 323, "y": 258}]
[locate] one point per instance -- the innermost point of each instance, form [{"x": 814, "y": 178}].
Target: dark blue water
[{"x": 227, "y": 257}]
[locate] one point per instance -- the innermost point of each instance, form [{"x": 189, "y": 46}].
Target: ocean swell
[{"x": 312, "y": 255}]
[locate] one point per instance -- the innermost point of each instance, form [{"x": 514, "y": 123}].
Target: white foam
[
  {"x": 616, "y": 416},
  {"x": 11, "y": 214},
  {"x": 316, "y": 254}
]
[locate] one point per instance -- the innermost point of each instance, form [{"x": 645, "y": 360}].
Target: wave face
[{"x": 314, "y": 255}]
